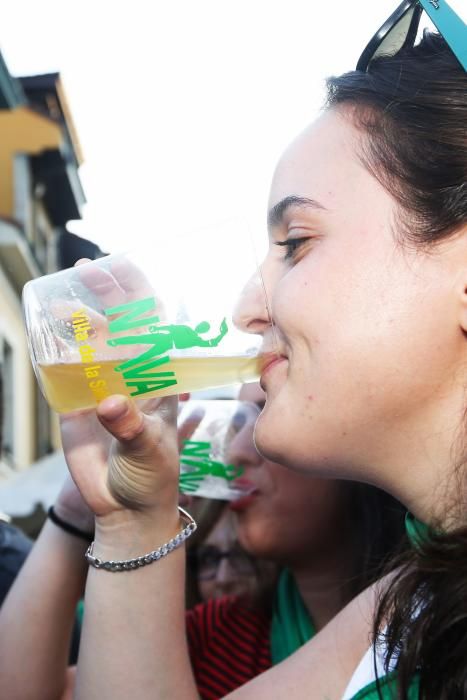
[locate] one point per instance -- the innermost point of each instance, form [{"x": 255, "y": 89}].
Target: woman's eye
[{"x": 292, "y": 245}]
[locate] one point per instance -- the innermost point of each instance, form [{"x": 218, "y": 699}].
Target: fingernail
[
  {"x": 196, "y": 414},
  {"x": 114, "y": 407}
]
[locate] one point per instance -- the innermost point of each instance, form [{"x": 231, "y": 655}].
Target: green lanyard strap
[{"x": 291, "y": 625}]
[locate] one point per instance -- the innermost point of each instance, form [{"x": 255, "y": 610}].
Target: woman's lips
[
  {"x": 250, "y": 491},
  {"x": 269, "y": 364},
  {"x": 243, "y": 502}
]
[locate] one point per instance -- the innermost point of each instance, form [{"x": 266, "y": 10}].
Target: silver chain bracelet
[{"x": 155, "y": 555}]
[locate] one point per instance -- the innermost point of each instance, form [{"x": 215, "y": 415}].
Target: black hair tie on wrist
[{"x": 71, "y": 529}]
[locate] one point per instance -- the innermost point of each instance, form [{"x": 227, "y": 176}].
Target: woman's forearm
[
  {"x": 37, "y": 617},
  {"x": 133, "y": 640}
]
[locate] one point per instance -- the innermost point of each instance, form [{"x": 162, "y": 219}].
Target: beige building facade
[{"x": 40, "y": 191}]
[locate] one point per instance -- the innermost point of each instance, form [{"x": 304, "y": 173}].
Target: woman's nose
[
  {"x": 225, "y": 574},
  {"x": 252, "y": 312}
]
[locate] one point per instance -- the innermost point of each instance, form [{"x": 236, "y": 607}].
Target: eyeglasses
[
  {"x": 400, "y": 31},
  {"x": 209, "y": 557}
]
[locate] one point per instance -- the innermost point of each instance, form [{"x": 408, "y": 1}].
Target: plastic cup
[
  {"x": 151, "y": 323},
  {"x": 209, "y": 427}
]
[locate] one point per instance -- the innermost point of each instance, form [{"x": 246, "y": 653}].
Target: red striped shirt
[{"x": 229, "y": 645}]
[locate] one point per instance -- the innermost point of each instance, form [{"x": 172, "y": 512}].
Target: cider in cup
[
  {"x": 65, "y": 390},
  {"x": 143, "y": 325}
]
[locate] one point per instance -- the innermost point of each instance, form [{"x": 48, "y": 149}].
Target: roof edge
[{"x": 11, "y": 92}]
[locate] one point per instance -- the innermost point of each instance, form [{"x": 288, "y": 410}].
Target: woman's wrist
[
  {"x": 83, "y": 521},
  {"x": 67, "y": 526},
  {"x": 128, "y": 533},
  {"x": 151, "y": 554}
]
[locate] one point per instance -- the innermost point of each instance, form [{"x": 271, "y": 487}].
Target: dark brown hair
[
  {"x": 375, "y": 523},
  {"x": 412, "y": 112}
]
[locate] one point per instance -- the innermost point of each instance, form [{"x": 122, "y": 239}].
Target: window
[
  {"x": 40, "y": 246},
  {"x": 22, "y": 179},
  {"x": 6, "y": 389}
]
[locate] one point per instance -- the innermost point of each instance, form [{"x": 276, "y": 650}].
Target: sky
[{"x": 182, "y": 107}]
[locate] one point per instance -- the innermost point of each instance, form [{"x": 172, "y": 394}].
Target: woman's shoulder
[
  {"x": 323, "y": 667},
  {"x": 364, "y": 676}
]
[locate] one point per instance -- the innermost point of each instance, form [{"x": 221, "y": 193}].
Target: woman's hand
[
  {"x": 122, "y": 456},
  {"x": 71, "y": 506}
]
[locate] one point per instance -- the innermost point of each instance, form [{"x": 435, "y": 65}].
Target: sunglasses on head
[{"x": 400, "y": 31}]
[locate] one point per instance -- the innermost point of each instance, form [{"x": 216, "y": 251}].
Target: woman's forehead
[{"x": 320, "y": 162}]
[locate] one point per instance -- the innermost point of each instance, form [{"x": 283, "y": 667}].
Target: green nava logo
[
  {"x": 196, "y": 464},
  {"x": 138, "y": 372}
]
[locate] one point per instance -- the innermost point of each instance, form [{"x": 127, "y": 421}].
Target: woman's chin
[
  {"x": 258, "y": 543},
  {"x": 270, "y": 437}
]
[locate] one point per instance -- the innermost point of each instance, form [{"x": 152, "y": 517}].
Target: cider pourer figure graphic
[
  {"x": 165, "y": 338},
  {"x": 198, "y": 464}
]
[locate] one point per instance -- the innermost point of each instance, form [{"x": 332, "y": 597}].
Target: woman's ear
[{"x": 463, "y": 305}]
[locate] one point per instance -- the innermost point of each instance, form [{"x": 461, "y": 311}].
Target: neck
[
  {"x": 419, "y": 468},
  {"x": 323, "y": 588}
]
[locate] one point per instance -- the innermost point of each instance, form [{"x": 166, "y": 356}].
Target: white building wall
[{"x": 12, "y": 330}]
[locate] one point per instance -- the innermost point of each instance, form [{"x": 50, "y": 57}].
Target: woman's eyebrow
[{"x": 276, "y": 213}]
